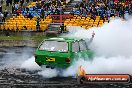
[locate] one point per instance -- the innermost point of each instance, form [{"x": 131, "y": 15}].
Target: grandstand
[
  {"x": 83, "y": 15},
  {"x": 22, "y": 23},
  {"x": 85, "y": 22}
]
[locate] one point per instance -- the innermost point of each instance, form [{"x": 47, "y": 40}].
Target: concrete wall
[{"x": 29, "y": 43}]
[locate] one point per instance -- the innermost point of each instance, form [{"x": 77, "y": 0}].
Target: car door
[
  {"x": 85, "y": 53},
  {"x": 80, "y": 50},
  {"x": 75, "y": 50}
]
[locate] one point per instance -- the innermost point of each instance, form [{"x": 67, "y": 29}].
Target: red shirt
[
  {"x": 127, "y": 2},
  {"x": 116, "y": 1}
]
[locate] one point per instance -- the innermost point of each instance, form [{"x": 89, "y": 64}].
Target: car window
[
  {"x": 75, "y": 47},
  {"x": 82, "y": 45},
  {"x": 54, "y": 46}
]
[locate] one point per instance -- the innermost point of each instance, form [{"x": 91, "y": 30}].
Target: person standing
[
  {"x": 0, "y": 8},
  {"x": 1, "y": 2},
  {"x": 38, "y": 23},
  {"x": 10, "y": 2},
  {"x": 1, "y": 17},
  {"x": 5, "y": 15},
  {"x": 91, "y": 39},
  {"x": 16, "y": 1},
  {"x": 7, "y": 3},
  {"x": 42, "y": 14},
  {"x": 13, "y": 8},
  {"x": 21, "y": 1},
  {"x": 61, "y": 28},
  {"x": 27, "y": 1}
]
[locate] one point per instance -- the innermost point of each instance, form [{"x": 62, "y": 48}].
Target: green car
[{"x": 61, "y": 52}]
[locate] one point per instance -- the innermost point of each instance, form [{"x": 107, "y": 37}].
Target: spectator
[
  {"x": 1, "y": 2},
  {"x": 42, "y": 14},
  {"x": 16, "y": 1},
  {"x": 30, "y": 16},
  {"x": 13, "y": 8},
  {"x": 5, "y": 15},
  {"x": 7, "y": 2},
  {"x": 16, "y": 6},
  {"x": 104, "y": 8},
  {"x": 0, "y": 8},
  {"x": 21, "y": 1},
  {"x": 1, "y": 17},
  {"x": 10, "y": 2},
  {"x": 27, "y": 1},
  {"x": 62, "y": 28},
  {"x": 38, "y": 23}
]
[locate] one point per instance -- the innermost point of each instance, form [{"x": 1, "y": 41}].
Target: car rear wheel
[
  {"x": 39, "y": 64},
  {"x": 80, "y": 79}
]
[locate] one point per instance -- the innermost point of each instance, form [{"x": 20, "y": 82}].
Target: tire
[
  {"x": 80, "y": 79},
  {"x": 39, "y": 64}
]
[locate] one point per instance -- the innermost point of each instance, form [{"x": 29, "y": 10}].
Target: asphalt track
[{"x": 20, "y": 78}]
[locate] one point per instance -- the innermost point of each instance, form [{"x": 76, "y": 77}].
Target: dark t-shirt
[
  {"x": 37, "y": 22},
  {"x": 5, "y": 14}
]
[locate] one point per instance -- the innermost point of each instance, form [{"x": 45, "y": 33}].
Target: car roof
[{"x": 65, "y": 39}]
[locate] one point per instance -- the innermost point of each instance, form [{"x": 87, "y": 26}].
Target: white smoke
[
  {"x": 25, "y": 60},
  {"x": 102, "y": 65},
  {"x": 127, "y": 16},
  {"x": 112, "y": 45},
  {"x": 30, "y": 64},
  {"x": 48, "y": 73},
  {"x": 15, "y": 57},
  {"x": 111, "y": 39}
]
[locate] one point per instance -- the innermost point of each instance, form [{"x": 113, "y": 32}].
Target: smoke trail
[
  {"x": 25, "y": 60},
  {"x": 48, "y": 73},
  {"x": 111, "y": 39},
  {"x": 127, "y": 16},
  {"x": 112, "y": 46},
  {"x": 102, "y": 65},
  {"x": 15, "y": 56},
  {"x": 31, "y": 65}
]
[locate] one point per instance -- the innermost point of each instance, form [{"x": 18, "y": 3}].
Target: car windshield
[{"x": 54, "y": 46}]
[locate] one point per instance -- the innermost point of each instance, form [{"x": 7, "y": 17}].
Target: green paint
[{"x": 58, "y": 59}]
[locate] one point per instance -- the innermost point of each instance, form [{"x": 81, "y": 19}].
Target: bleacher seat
[{"x": 85, "y": 22}]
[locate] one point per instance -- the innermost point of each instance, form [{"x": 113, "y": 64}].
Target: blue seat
[
  {"x": 39, "y": 10},
  {"x": 23, "y": 14},
  {"x": 25, "y": 11},
  {"x": 33, "y": 11},
  {"x": 31, "y": 8},
  {"x": 29, "y": 11},
  {"x": 77, "y": 12}
]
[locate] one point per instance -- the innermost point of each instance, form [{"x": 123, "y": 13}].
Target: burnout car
[{"x": 61, "y": 52}]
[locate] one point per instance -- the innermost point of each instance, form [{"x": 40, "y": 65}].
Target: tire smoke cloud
[{"x": 112, "y": 46}]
